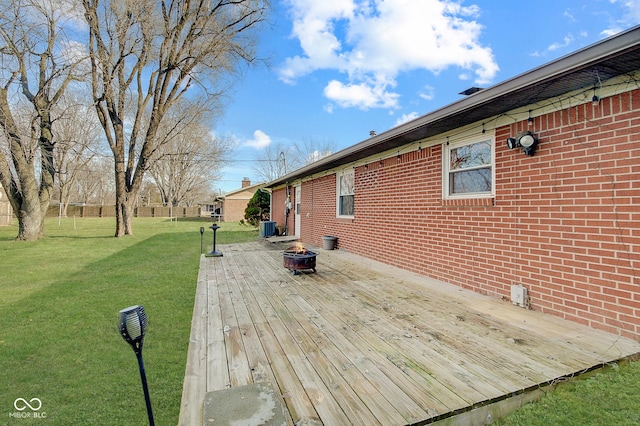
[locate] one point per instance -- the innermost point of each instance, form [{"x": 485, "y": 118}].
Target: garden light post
[
  {"x": 133, "y": 324},
  {"x": 201, "y": 238},
  {"x": 214, "y": 252}
]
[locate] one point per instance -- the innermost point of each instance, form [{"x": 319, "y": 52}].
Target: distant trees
[
  {"x": 94, "y": 183},
  {"x": 271, "y": 163},
  {"x": 78, "y": 134},
  {"x": 183, "y": 166},
  {"x": 145, "y": 56},
  {"x": 279, "y": 159}
]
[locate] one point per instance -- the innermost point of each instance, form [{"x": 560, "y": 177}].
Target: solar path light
[
  {"x": 214, "y": 252},
  {"x": 133, "y": 324}
]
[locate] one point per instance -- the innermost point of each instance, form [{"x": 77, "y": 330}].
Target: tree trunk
[
  {"x": 124, "y": 218},
  {"x": 125, "y": 200},
  {"x": 62, "y": 210},
  {"x": 30, "y": 221},
  {"x": 29, "y": 196}
]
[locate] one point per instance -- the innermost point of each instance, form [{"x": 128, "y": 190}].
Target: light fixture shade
[
  {"x": 512, "y": 143},
  {"x": 528, "y": 143},
  {"x": 133, "y": 325}
]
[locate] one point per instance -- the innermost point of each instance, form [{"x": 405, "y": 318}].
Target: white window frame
[
  {"x": 338, "y": 194},
  {"x": 446, "y": 156}
]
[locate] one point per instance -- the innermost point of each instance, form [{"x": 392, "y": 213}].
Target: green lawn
[
  {"x": 59, "y": 304},
  {"x": 610, "y": 397}
]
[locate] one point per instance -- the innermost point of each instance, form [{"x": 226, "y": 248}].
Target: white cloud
[
  {"x": 361, "y": 95},
  {"x": 632, "y": 13},
  {"x": 406, "y": 118},
  {"x": 371, "y": 43},
  {"x": 568, "y": 39},
  {"x": 563, "y": 45},
  {"x": 427, "y": 93},
  {"x": 569, "y": 15},
  {"x": 630, "y": 16},
  {"x": 260, "y": 140},
  {"x": 611, "y": 31}
]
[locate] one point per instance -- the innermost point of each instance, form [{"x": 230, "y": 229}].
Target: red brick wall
[
  {"x": 564, "y": 223},
  {"x": 278, "y": 213}
]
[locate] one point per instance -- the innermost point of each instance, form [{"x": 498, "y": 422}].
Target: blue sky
[{"x": 341, "y": 68}]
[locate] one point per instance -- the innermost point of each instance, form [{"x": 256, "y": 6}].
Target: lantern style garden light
[
  {"x": 133, "y": 325},
  {"x": 214, "y": 252}
]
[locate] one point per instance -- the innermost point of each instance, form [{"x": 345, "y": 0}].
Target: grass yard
[
  {"x": 59, "y": 304},
  {"x": 610, "y": 397}
]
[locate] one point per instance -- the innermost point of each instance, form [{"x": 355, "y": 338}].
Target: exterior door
[{"x": 298, "y": 199}]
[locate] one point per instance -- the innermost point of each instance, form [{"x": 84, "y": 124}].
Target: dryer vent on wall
[{"x": 519, "y": 296}]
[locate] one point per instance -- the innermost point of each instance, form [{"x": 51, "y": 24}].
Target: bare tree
[
  {"x": 78, "y": 134},
  {"x": 190, "y": 160},
  {"x": 310, "y": 149},
  {"x": 94, "y": 183},
  {"x": 145, "y": 55},
  {"x": 279, "y": 159},
  {"x": 271, "y": 162},
  {"x": 34, "y": 73}
]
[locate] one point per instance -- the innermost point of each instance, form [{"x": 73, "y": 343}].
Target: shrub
[{"x": 258, "y": 208}]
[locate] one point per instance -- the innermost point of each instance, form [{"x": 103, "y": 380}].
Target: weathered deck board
[
  {"x": 195, "y": 377},
  {"x": 405, "y": 321},
  {"x": 217, "y": 369},
  {"x": 264, "y": 350},
  {"x": 329, "y": 362},
  {"x": 362, "y": 343}
]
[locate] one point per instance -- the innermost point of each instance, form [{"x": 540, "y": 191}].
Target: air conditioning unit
[
  {"x": 267, "y": 229},
  {"x": 519, "y": 296}
]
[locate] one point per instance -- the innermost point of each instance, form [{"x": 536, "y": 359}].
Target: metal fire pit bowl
[{"x": 298, "y": 258}]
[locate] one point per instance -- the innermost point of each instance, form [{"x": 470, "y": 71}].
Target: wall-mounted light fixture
[{"x": 526, "y": 140}]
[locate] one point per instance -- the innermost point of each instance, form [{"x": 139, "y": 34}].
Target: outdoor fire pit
[{"x": 297, "y": 258}]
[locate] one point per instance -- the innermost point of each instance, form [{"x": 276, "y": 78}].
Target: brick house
[
  {"x": 233, "y": 203},
  {"x": 457, "y": 196}
]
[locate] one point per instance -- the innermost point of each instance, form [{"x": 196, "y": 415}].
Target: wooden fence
[{"x": 110, "y": 211}]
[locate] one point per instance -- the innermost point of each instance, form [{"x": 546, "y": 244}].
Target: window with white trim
[
  {"x": 344, "y": 193},
  {"x": 469, "y": 169}
]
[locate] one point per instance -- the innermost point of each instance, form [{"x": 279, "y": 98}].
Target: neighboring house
[
  {"x": 6, "y": 212},
  {"x": 233, "y": 204},
  {"x": 212, "y": 210},
  {"x": 447, "y": 195}
]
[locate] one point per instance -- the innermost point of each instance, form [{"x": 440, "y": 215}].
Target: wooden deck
[{"x": 362, "y": 343}]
